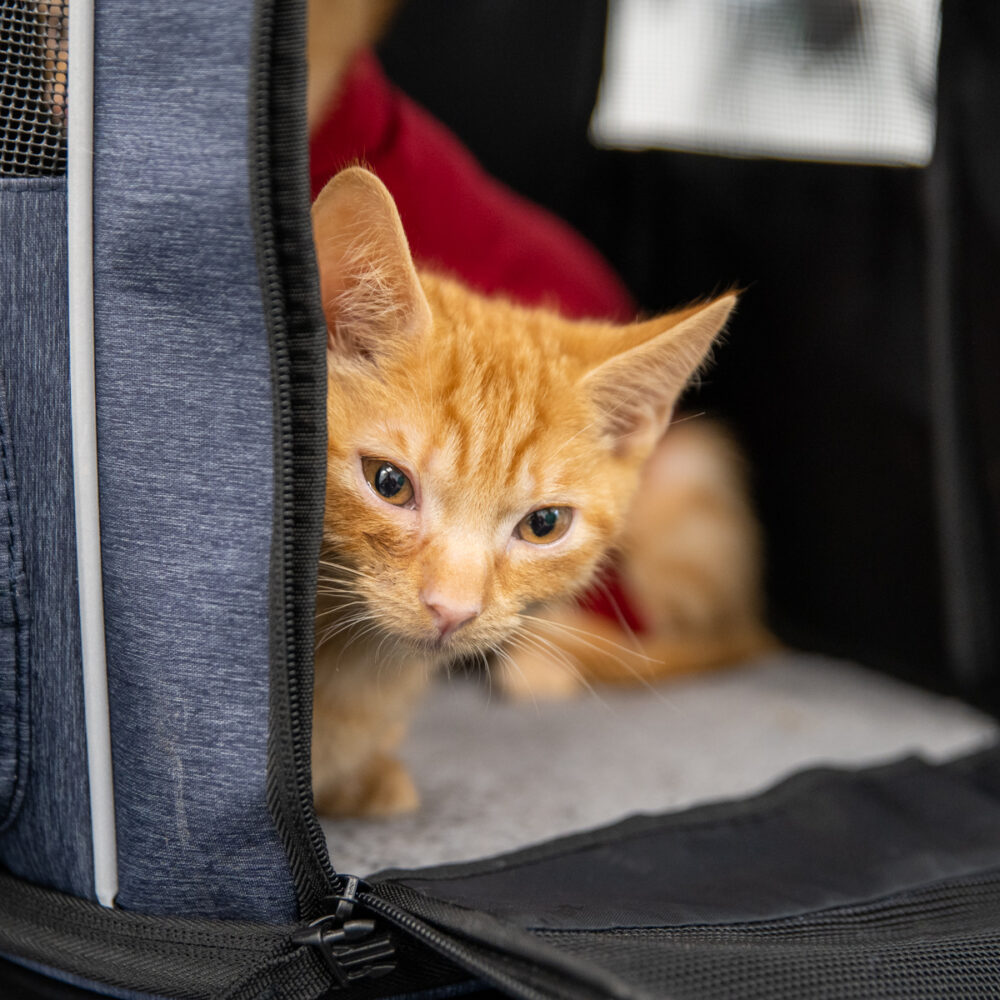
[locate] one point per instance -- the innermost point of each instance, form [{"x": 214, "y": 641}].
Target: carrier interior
[
  {"x": 826, "y": 379},
  {"x": 496, "y": 775}
]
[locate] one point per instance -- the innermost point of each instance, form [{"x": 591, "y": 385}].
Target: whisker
[
  {"x": 339, "y": 608},
  {"x": 341, "y": 567},
  {"x": 489, "y": 675},
  {"x": 513, "y": 664},
  {"x": 619, "y": 614},
  {"x": 560, "y": 656},
  {"x": 570, "y": 440},
  {"x": 342, "y": 625},
  {"x": 579, "y": 635},
  {"x": 589, "y": 635},
  {"x": 686, "y": 418}
]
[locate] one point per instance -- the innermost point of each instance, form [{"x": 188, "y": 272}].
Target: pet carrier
[{"x": 162, "y": 433}]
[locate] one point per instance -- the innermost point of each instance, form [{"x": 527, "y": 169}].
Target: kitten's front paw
[
  {"x": 531, "y": 676},
  {"x": 385, "y": 789},
  {"x": 390, "y": 790}
]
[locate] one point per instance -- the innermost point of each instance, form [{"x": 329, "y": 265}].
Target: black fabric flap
[
  {"x": 821, "y": 838},
  {"x": 884, "y": 881}
]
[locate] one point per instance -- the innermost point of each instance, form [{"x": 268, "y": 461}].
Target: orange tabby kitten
[{"x": 482, "y": 460}]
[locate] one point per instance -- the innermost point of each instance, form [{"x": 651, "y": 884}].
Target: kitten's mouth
[
  {"x": 473, "y": 638},
  {"x": 444, "y": 645},
  {"x": 455, "y": 645}
]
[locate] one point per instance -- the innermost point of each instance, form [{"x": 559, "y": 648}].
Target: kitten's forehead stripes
[{"x": 496, "y": 410}]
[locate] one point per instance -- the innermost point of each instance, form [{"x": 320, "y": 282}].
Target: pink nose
[{"x": 449, "y": 616}]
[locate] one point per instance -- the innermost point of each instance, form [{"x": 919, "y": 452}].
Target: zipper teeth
[
  {"x": 475, "y": 962},
  {"x": 300, "y": 745},
  {"x": 448, "y": 947},
  {"x": 301, "y": 751},
  {"x": 312, "y": 872}
]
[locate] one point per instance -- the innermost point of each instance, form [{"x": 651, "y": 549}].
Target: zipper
[
  {"x": 460, "y": 954},
  {"x": 349, "y": 945},
  {"x": 353, "y": 948},
  {"x": 279, "y": 202},
  {"x": 506, "y": 957}
]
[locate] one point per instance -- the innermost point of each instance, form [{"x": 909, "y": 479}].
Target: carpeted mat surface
[{"x": 495, "y": 775}]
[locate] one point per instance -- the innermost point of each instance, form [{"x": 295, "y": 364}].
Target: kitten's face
[
  {"x": 467, "y": 477},
  {"x": 481, "y": 456}
]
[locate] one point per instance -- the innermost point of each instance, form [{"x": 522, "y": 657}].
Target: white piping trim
[{"x": 83, "y": 405}]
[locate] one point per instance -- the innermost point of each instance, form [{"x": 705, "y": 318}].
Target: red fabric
[
  {"x": 609, "y": 599},
  {"x": 460, "y": 220},
  {"x": 457, "y": 217}
]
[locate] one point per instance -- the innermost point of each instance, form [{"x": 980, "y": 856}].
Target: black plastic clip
[{"x": 350, "y": 946}]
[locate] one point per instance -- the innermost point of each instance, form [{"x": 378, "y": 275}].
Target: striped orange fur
[{"x": 458, "y": 425}]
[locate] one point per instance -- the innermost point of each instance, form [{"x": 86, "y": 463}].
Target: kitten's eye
[
  {"x": 545, "y": 525},
  {"x": 390, "y": 483}
]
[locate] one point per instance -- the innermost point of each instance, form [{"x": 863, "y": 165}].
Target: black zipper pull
[{"x": 352, "y": 948}]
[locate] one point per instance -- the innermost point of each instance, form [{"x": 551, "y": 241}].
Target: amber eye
[
  {"x": 545, "y": 524},
  {"x": 389, "y": 482}
]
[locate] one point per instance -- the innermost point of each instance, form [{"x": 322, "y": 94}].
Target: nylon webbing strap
[
  {"x": 300, "y": 974},
  {"x": 168, "y": 956}
]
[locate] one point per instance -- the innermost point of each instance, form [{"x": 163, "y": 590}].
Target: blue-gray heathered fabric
[
  {"x": 49, "y": 839},
  {"x": 15, "y": 625},
  {"x": 185, "y": 436}
]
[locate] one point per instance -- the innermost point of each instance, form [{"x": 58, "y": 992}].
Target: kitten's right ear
[
  {"x": 636, "y": 388},
  {"x": 369, "y": 287}
]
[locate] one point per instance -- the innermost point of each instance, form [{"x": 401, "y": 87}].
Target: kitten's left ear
[
  {"x": 637, "y": 388},
  {"x": 369, "y": 287}
]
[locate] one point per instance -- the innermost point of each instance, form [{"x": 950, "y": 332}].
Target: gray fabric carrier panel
[
  {"x": 48, "y": 840},
  {"x": 185, "y": 440},
  {"x": 15, "y": 631}
]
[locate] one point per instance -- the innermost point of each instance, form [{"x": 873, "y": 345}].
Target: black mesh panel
[
  {"x": 32, "y": 88},
  {"x": 938, "y": 943}
]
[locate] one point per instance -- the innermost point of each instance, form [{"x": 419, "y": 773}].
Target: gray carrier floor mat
[{"x": 496, "y": 775}]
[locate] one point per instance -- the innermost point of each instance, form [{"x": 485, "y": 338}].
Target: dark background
[{"x": 862, "y": 370}]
